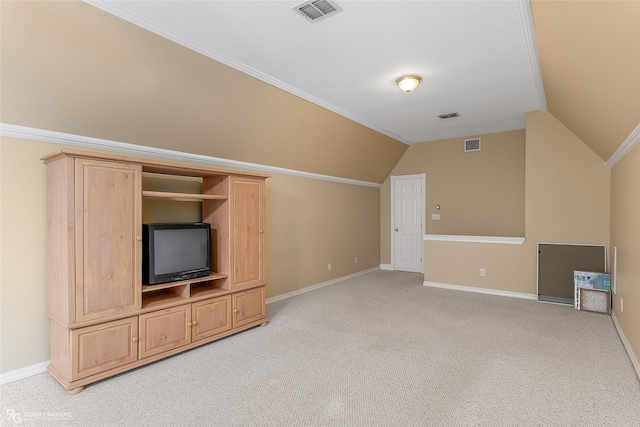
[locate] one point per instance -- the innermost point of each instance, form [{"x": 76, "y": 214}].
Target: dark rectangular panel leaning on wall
[{"x": 556, "y": 264}]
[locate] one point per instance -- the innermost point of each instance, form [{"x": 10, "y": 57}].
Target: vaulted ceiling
[
  {"x": 477, "y": 58},
  {"x": 71, "y": 67}
]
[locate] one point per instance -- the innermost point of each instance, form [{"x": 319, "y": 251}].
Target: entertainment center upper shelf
[{"x": 183, "y": 196}]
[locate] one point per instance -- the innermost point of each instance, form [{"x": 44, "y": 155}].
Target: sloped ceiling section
[
  {"x": 72, "y": 68},
  {"x": 475, "y": 57},
  {"x": 590, "y": 59}
]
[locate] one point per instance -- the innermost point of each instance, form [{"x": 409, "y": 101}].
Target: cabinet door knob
[
  {"x": 138, "y": 238},
  {"x": 235, "y": 310},
  {"x": 195, "y": 322},
  {"x": 189, "y": 324},
  {"x": 134, "y": 339}
]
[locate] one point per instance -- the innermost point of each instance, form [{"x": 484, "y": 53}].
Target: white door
[{"x": 407, "y": 223}]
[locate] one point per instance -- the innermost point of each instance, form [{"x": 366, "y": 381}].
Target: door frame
[{"x": 423, "y": 204}]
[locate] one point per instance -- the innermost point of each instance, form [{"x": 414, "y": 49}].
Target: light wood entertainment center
[{"x": 103, "y": 319}]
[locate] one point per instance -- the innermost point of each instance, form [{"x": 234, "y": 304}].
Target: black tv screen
[{"x": 175, "y": 251}]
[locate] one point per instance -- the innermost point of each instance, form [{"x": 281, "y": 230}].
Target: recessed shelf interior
[
  {"x": 208, "y": 288},
  {"x": 165, "y": 296}
]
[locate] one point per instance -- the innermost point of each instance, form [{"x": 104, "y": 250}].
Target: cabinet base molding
[{"x": 78, "y": 385}]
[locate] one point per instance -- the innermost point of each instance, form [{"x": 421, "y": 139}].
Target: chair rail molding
[
  {"x": 43, "y": 135},
  {"x": 474, "y": 239}
]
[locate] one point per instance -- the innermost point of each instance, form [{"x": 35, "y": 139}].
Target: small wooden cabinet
[
  {"x": 105, "y": 346},
  {"x": 104, "y": 321},
  {"x": 164, "y": 330},
  {"x": 211, "y": 317},
  {"x": 248, "y": 307}
]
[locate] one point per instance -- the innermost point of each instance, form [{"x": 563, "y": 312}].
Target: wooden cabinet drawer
[
  {"x": 165, "y": 330},
  {"x": 248, "y": 306},
  {"x": 99, "y": 348}
]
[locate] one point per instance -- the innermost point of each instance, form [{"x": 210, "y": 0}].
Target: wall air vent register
[
  {"x": 448, "y": 115},
  {"x": 471, "y": 145},
  {"x": 317, "y": 10}
]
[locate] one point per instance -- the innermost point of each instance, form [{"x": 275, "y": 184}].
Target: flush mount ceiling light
[{"x": 408, "y": 83}]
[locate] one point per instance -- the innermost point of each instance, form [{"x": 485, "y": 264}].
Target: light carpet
[{"x": 377, "y": 350}]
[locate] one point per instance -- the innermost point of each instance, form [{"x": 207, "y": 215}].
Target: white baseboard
[
  {"x": 22, "y": 373},
  {"x": 627, "y": 345},
  {"x": 41, "y": 367},
  {"x": 510, "y": 294},
  {"x": 386, "y": 267},
  {"x": 318, "y": 286}
]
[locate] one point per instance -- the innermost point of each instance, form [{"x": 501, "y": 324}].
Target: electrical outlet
[
  {"x": 483, "y": 272},
  {"x": 356, "y": 261},
  {"x": 329, "y": 266},
  {"x": 621, "y": 305},
  {"x": 435, "y": 217}
]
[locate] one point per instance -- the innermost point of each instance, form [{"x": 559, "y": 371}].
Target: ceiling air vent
[
  {"x": 472, "y": 144},
  {"x": 314, "y": 11},
  {"x": 448, "y": 115}
]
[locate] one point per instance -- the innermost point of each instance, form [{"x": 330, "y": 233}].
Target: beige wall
[
  {"x": 309, "y": 223},
  {"x": 566, "y": 201},
  {"x": 625, "y": 234},
  {"x": 590, "y": 59},
  {"x": 70, "y": 67},
  {"x": 480, "y": 193},
  {"x": 24, "y": 315}
]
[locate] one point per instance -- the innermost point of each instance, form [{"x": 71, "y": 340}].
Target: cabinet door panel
[
  {"x": 108, "y": 229},
  {"x": 247, "y": 231},
  {"x": 102, "y": 347},
  {"x": 211, "y": 317},
  {"x": 165, "y": 330},
  {"x": 248, "y": 306}
]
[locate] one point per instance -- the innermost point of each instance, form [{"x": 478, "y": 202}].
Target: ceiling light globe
[{"x": 408, "y": 83}]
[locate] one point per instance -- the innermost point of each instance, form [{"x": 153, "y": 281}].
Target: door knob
[{"x": 397, "y": 229}]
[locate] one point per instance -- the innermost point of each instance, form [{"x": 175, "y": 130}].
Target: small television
[{"x": 175, "y": 251}]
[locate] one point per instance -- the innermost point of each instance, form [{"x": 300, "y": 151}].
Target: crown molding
[
  {"x": 629, "y": 144},
  {"x": 160, "y": 30},
  {"x": 43, "y": 135},
  {"x": 526, "y": 16}
]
